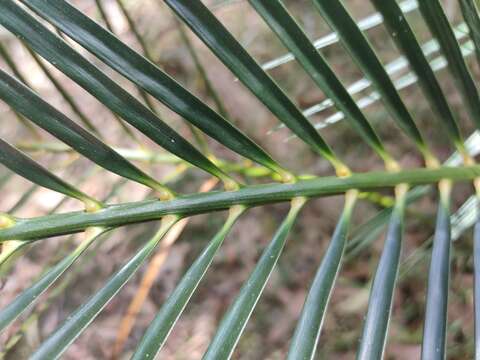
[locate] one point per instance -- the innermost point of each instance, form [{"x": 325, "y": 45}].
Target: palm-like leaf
[{"x": 140, "y": 69}]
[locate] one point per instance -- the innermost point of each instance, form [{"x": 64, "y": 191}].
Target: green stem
[{"x": 117, "y": 215}]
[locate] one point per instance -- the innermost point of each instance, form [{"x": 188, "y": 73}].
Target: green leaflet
[
  {"x": 26, "y": 102},
  {"x": 233, "y": 55},
  {"x": 461, "y": 221},
  {"x": 307, "y": 332},
  {"x": 74, "y": 325},
  {"x": 201, "y": 71},
  {"x": 138, "y": 37},
  {"x": 62, "y": 91},
  {"x": 369, "y": 22},
  {"x": 145, "y": 74},
  {"x": 292, "y": 36},
  {"x": 236, "y": 317},
  {"x": 438, "y": 23},
  {"x": 24, "y": 166},
  {"x": 403, "y": 35},
  {"x": 363, "y": 54},
  {"x": 255, "y": 195},
  {"x": 30, "y": 295},
  {"x": 435, "y": 324},
  {"x": 14, "y": 246},
  {"x": 128, "y": 131},
  {"x": 60, "y": 286},
  {"x": 160, "y": 327},
  {"x": 470, "y": 12},
  {"x": 368, "y": 232},
  {"x": 375, "y": 329},
  {"x": 70, "y": 62},
  {"x": 69, "y": 99}
]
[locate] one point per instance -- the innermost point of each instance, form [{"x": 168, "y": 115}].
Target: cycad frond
[{"x": 30, "y": 21}]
